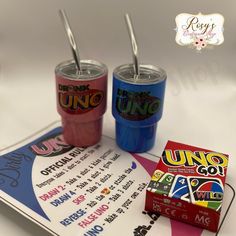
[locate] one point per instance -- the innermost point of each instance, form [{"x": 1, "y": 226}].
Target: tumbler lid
[
  {"x": 149, "y": 74},
  {"x": 90, "y": 70}
]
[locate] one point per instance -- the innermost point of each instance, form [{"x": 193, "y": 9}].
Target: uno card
[
  {"x": 164, "y": 184},
  {"x": 157, "y": 175},
  {"x": 207, "y": 192},
  {"x": 179, "y": 188},
  {"x": 153, "y": 183}
]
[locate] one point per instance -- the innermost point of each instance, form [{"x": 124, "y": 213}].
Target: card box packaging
[{"x": 188, "y": 185}]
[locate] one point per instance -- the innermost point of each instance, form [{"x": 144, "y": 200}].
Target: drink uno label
[
  {"x": 79, "y": 99},
  {"x": 192, "y": 181},
  {"x": 136, "y": 106}
]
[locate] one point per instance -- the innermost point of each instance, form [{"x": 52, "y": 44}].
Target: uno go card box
[{"x": 188, "y": 185}]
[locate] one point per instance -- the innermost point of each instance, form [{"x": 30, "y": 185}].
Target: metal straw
[
  {"x": 134, "y": 45},
  {"x": 71, "y": 38}
]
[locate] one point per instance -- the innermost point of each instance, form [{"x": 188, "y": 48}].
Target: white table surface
[{"x": 200, "y": 101}]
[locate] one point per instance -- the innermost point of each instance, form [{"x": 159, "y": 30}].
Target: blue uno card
[{"x": 179, "y": 188}]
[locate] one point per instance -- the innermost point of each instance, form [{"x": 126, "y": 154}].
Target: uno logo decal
[
  {"x": 136, "y": 105},
  {"x": 52, "y": 146},
  {"x": 189, "y": 158},
  {"x": 77, "y": 100}
]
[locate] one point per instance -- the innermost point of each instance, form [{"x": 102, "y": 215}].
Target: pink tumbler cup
[{"x": 81, "y": 101}]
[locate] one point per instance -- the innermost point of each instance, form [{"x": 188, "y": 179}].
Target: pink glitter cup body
[{"x": 81, "y": 101}]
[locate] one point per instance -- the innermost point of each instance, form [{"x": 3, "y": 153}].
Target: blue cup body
[{"x": 137, "y": 108}]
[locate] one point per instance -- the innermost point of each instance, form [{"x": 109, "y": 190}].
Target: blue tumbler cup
[{"x": 137, "y": 105}]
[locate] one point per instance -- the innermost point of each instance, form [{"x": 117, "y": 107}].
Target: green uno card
[{"x": 164, "y": 184}]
